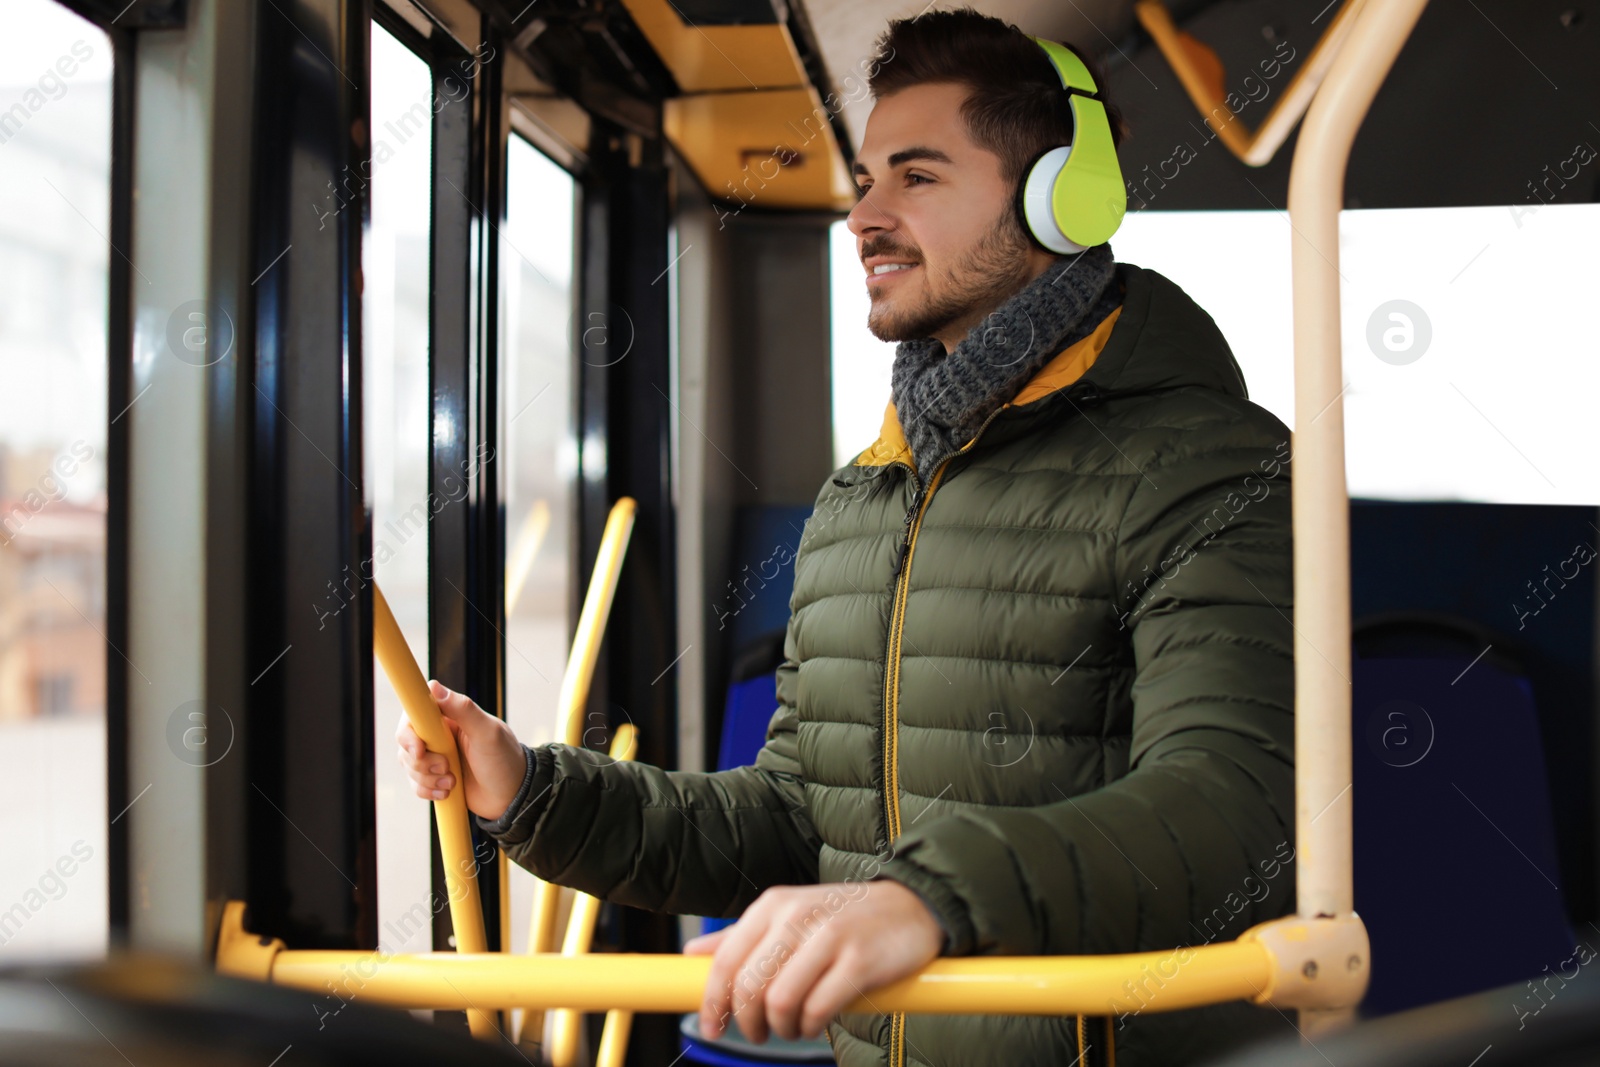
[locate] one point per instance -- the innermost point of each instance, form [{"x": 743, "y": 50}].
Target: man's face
[{"x": 937, "y": 201}]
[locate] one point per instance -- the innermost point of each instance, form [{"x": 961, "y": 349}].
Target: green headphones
[{"x": 1073, "y": 196}]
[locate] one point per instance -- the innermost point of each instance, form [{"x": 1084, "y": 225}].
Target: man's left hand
[{"x": 800, "y": 954}]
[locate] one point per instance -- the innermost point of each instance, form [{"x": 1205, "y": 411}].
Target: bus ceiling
[{"x": 759, "y": 95}]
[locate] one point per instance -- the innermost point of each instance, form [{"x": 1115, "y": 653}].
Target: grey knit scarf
[{"x": 942, "y": 399}]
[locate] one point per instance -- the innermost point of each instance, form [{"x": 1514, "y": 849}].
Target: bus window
[
  {"x": 55, "y": 203},
  {"x": 1442, "y": 401},
  {"x": 1236, "y": 265},
  {"x": 538, "y": 458},
  {"x": 860, "y": 362},
  {"x": 395, "y": 402}
]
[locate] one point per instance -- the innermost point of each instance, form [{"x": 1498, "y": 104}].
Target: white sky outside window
[
  {"x": 538, "y": 453},
  {"x": 55, "y": 197},
  {"x": 861, "y": 362},
  {"x": 394, "y": 258},
  {"x": 1469, "y": 364}
]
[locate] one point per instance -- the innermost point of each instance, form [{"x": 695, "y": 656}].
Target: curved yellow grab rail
[
  {"x": 580, "y": 934},
  {"x": 455, "y": 832},
  {"x": 1042, "y": 985},
  {"x": 571, "y": 702},
  {"x": 1288, "y": 962}
]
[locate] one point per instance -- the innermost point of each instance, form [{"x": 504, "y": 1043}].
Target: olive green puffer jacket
[{"x": 1050, "y": 689}]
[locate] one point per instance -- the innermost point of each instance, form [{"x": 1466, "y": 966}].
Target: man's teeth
[{"x": 885, "y": 268}]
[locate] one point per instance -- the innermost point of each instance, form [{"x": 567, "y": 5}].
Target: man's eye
[{"x": 918, "y": 178}]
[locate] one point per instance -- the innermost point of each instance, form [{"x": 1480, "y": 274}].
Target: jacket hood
[{"x": 1163, "y": 340}]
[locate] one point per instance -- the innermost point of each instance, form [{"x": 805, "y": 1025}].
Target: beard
[{"x": 989, "y": 272}]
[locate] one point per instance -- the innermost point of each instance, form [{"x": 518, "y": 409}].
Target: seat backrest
[
  {"x": 752, "y": 698},
  {"x": 1456, "y": 875}
]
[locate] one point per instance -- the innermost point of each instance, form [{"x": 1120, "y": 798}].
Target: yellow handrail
[
  {"x": 570, "y": 704},
  {"x": 614, "y": 1039},
  {"x": 580, "y": 933},
  {"x": 1286, "y": 962},
  {"x": 649, "y": 982},
  {"x": 592, "y": 620},
  {"x": 1282, "y": 963},
  {"x": 450, "y": 814}
]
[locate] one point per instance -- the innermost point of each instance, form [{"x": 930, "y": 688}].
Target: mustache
[{"x": 869, "y": 249}]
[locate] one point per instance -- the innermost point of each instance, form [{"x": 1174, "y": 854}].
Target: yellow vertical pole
[
  {"x": 503, "y": 870},
  {"x": 570, "y": 705},
  {"x": 614, "y": 1039},
  {"x": 450, "y": 814}
]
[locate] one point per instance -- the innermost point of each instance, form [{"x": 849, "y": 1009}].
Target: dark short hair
[{"x": 1015, "y": 106}]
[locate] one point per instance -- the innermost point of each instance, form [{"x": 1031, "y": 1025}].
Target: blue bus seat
[
  {"x": 752, "y": 698},
  {"x": 1455, "y": 863}
]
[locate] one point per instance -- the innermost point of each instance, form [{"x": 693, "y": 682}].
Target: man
[{"x": 1037, "y": 696}]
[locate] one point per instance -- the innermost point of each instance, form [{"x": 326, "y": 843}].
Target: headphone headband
[{"x": 1070, "y": 66}]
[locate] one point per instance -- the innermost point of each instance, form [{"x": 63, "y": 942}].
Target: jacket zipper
[
  {"x": 891, "y": 697},
  {"x": 1085, "y": 1047},
  {"x": 891, "y": 685}
]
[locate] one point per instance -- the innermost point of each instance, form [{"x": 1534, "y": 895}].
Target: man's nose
[{"x": 868, "y": 216}]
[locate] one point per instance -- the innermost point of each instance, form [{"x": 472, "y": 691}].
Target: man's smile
[{"x": 879, "y": 272}]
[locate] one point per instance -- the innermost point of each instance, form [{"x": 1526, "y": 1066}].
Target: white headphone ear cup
[{"x": 1037, "y": 211}]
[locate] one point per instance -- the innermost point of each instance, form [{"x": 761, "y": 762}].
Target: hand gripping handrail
[
  {"x": 450, "y": 814},
  {"x": 574, "y": 697}
]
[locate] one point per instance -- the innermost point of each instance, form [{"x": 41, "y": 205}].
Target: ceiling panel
[{"x": 720, "y": 57}]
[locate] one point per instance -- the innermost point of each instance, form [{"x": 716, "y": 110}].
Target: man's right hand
[{"x": 492, "y": 759}]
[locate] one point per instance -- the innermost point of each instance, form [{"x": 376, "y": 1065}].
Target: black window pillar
[
  {"x": 625, "y": 405},
  {"x": 466, "y": 595},
  {"x": 311, "y": 821}
]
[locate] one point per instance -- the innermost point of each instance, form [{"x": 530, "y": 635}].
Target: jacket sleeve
[
  {"x": 688, "y": 843},
  {"x": 1195, "y": 843}
]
